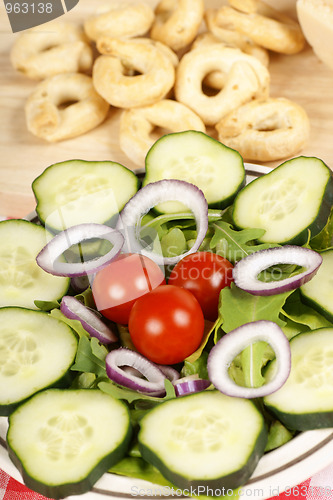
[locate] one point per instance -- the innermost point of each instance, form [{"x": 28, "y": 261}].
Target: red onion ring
[
  {"x": 147, "y": 198},
  {"x": 116, "y": 362},
  {"x": 48, "y": 257},
  {"x": 231, "y": 344},
  {"x": 245, "y": 271},
  {"x": 72, "y": 308},
  {"x": 190, "y": 384}
]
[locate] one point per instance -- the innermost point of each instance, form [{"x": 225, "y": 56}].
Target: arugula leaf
[
  {"x": 173, "y": 243},
  {"x": 46, "y": 305},
  {"x": 90, "y": 357},
  {"x": 324, "y": 239},
  {"x": 238, "y": 307},
  {"x": 138, "y": 468},
  {"x": 73, "y": 323},
  {"x": 235, "y": 245},
  {"x": 295, "y": 310},
  {"x": 130, "y": 395},
  {"x": 197, "y": 367}
]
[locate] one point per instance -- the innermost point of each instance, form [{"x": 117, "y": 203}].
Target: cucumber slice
[
  {"x": 199, "y": 159},
  {"x": 62, "y": 441},
  {"x": 305, "y": 401},
  {"x": 78, "y": 191},
  {"x": 295, "y": 197},
  {"x": 205, "y": 439},
  {"x": 22, "y": 281},
  {"x": 318, "y": 292},
  {"x": 36, "y": 351}
]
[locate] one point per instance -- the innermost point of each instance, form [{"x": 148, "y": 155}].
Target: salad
[{"x": 173, "y": 328}]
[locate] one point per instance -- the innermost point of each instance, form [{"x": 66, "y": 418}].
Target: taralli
[
  {"x": 265, "y": 130},
  {"x": 51, "y": 49},
  {"x": 266, "y": 27},
  {"x": 177, "y": 22},
  {"x": 118, "y": 20},
  {"x": 246, "y": 79},
  {"x": 64, "y": 106},
  {"x": 137, "y": 125},
  {"x": 234, "y": 38},
  {"x": 113, "y": 73},
  {"x": 217, "y": 79}
]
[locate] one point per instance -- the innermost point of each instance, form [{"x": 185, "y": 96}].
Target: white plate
[{"x": 277, "y": 471}]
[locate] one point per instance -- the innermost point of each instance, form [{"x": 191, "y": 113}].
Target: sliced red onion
[
  {"x": 233, "y": 343},
  {"x": 190, "y": 384},
  {"x": 72, "y": 308},
  {"x": 48, "y": 257},
  {"x": 151, "y": 195},
  {"x": 117, "y": 363},
  {"x": 246, "y": 271},
  {"x": 170, "y": 373}
]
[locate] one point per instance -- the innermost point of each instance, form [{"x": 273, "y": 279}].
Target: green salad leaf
[{"x": 234, "y": 245}]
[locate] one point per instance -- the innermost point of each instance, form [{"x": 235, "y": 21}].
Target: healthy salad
[{"x": 172, "y": 327}]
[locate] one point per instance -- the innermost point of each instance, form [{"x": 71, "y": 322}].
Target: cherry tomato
[
  {"x": 167, "y": 324},
  {"x": 122, "y": 282},
  {"x": 204, "y": 274}
]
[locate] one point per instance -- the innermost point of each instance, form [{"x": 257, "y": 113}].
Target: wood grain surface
[{"x": 301, "y": 77}]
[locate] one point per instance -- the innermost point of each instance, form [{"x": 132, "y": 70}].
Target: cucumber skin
[
  {"x": 80, "y": 487},
  {"x": 230, "y": 481},
  {"x": 317, "y": 224},
  {"x": 303, "y": 421}
]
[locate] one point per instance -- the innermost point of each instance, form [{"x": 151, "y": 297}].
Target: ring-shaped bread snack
[
  {"x": 50, "y": 49},
  {"x": 113, "y": 73},
  {"x": 234, "y": 38},
  {"x": 64, "y": 106},
  {"x": 217, "y": 79},
  {"x": 118, "y": 20},
  {"x": 267, "y": 27},
  {"x": 177, "y": 22},
  {"x": 265, "y": 130},
  {"x": 246, "y": 79},
  {"x": 137, "y": 125}
]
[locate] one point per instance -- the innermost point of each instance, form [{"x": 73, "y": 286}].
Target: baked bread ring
[
  {"x": 60, "y": 48},
  {"x": 246, "y": 78},
  {"x": 217, "y": 79},
  {"x": 265, "y": 130},
  {"x": 137, "y": 125},
  {"x": 113, "y": 73},
  {"x": 234, "y": 38},
  {"x": 266, "y": 27},
  {"x": 120, "y": 21},
  {"x": 47, "y": 117},
  {"x": 177, "y": 22}
]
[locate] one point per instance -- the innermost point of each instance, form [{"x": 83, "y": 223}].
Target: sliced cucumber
[
  {"x": 77, "y": 191},
  {"x": 318, "y": 292},
  {"x": 22, "y": 281},
  {"x": 36, "y": 351},
  {"x": 204, "y": 439},
  {"x": 199, "y": 159},
  {"x": 295, "y": 197},
  {"x": 62, "y": 441},
  {"x": 305, "y": 401}
]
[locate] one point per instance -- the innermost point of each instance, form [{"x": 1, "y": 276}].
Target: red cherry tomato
[
  {"x": 167, "y": 324},
  {"x": 122, "y": 282},
  {"x": 204, "y": 274}
]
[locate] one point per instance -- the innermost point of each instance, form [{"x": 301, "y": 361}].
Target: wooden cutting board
[{"x": 301, "y": 78}]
